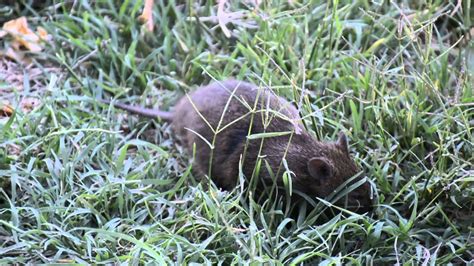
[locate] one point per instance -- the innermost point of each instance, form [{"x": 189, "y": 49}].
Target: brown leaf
[
  {"x": 15, "y": 55},
  {"x": 6, "y": 109},
  {"x": 28, "y": 104},
  {"x": 147, "y": 15},
  {"x": 13, "y": 149},
  {"x": 43, "y": 34},
  {"x": 22, "y": 34},
  {"x": 23, "y": 37}
]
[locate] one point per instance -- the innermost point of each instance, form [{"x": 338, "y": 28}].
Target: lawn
[{"x": 82, "y": 182}]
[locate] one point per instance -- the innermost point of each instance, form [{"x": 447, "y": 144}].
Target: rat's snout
[
  {"x": 360, "y": 205},
  {"x": 359, "y": 200}
]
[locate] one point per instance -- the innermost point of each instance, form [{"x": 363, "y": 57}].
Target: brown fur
[{"x": 318, "y": 167}]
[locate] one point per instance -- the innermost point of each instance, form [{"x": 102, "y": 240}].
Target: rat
[{"x": 227, "y": 121}]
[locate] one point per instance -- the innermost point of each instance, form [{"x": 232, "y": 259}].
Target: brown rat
[{"x": 230, "y": 111}]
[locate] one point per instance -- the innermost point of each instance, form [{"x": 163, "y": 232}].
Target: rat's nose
[
  {"x": 360, "y": 202},
  {"x": 363, "y": 208}
]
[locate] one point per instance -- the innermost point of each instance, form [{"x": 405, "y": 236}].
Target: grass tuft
[{"x": 81, "y": 183}]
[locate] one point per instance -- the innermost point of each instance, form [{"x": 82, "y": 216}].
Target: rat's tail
[{"x": 151, "y": 113}]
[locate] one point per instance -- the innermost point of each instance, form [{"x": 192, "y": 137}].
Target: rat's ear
[
  {"x": 342, "y": 143},
  {"x": 320, "y": 168}
]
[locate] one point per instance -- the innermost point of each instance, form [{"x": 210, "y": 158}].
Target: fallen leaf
[
  {"x": 224, "y": 17},
  {"x": 21, "y": 38},
  {"x": 65, "y": 261},
  {"x": 147, "y": 15},
  {"x": 28, "y": 104},
  {"x": 12, "y": 54},
  {"x": 6, "y": 109},
  {"x": 22, "y": 34},
  {"x": 13, "y": 149},
  {"x": 239, "y": 230},
  {"x": 43, "y": 34}
]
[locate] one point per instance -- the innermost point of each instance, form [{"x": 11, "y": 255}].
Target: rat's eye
[{"x": 317, "y": 182}]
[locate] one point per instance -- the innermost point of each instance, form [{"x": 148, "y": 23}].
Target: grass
[{"x": 82, "y": 183}]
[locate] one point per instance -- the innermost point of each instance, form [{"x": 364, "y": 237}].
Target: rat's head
[{"x": 324, "y": 173}]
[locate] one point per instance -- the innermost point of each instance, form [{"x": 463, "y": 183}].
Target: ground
[{"x": 81, "y": 182}]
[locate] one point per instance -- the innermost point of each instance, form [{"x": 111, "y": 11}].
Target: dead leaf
[
  {"x": 65, "y": 261},
  {"x": 13, "y": 149},
  {"x": 6, "y": 109},
  {"x": 224, "y": 17},
  {"x": 147, "y": 15},
  {"x": 28, "y": 104},
  {"x": 43, "y": 34},
  {"x": 239, "y": 230},
  {"x": 15, "y": 55},
  {"x": 23, "y": 36}
]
